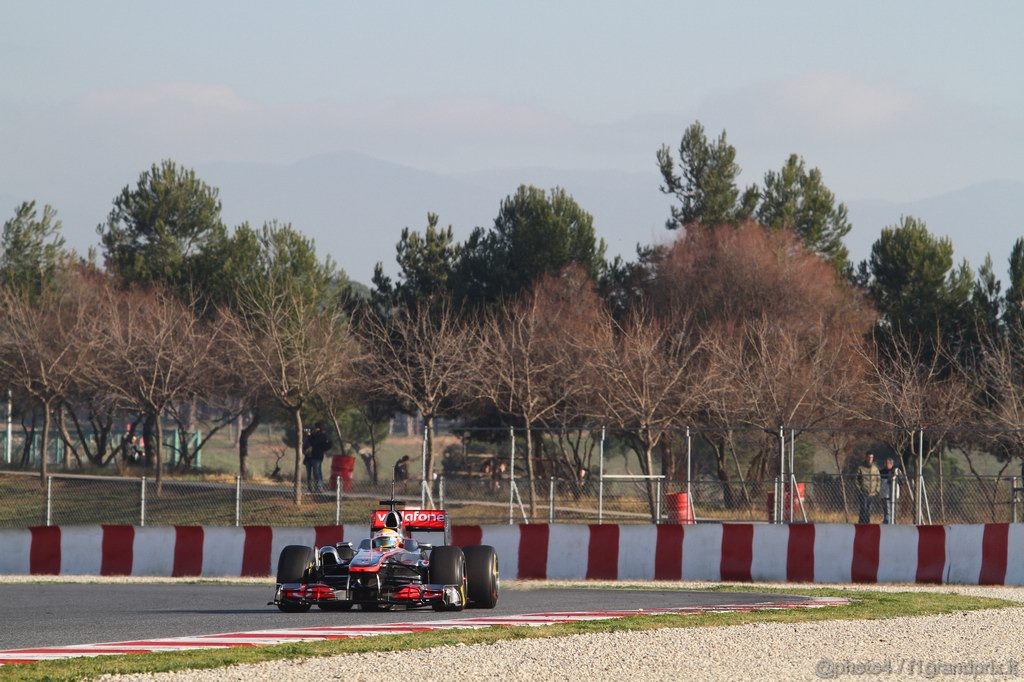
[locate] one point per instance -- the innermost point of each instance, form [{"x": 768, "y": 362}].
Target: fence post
[
  {"x": 1013, "y": 497},
  {"x": 657, "y": 503},
  {"x": 142, "y": 503},
  {"x": 7, "y": 443},
  {"x": 894, "y": 493},
  {"x": 780, "y": 502},
  {"x": 337, "y": 500},
  {"x": 689, "y": 472},
  {"x": 551, "y": 500},
  {"x": 600, "y": 482},
  {"x": 198, "y": 438},
  {"x": 775, "y": 502},
  {"x": 238, "y": 500},
  {"x": 792, "y": 475},
  {"x": 920, "y": 512},
  {"x": 440, "y": 491},
  {"x": 49, "y": 500},
  {"x": 423, "y": 467},
  {"x": 511, "y": 473}
]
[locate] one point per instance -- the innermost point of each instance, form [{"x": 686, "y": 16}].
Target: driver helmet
[{"x": 387, "y": 539}]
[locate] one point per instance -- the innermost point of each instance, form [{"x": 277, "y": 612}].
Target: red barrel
[
  {"x": 343, "y": 466},
  {"x": 800, "y": 488},
  {"x": 679, "y": 509}
]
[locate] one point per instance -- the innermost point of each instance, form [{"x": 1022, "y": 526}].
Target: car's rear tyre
[
  {"x": 448, "y": 567},
  {"x": 346, "y": 554},
  {"x": 482, "y": 576},
  {"x": 293, "y": 563},
  {"x": 328, "y": 606},
  {"x": 288, "y": 607}
]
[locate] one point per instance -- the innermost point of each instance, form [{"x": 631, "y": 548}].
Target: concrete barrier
[{"x": 986, "y": 554}]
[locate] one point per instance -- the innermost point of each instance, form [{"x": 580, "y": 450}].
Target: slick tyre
[
  {"x": 482, "y": 576},
  {"x": 293, "y": 564},
  {"x": 293, "y": 608},
  {"x": 448, "y": 567}
]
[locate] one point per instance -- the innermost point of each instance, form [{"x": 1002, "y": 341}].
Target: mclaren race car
[{"x": 390, "y": 568}]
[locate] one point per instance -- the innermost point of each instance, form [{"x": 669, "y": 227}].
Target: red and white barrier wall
[{"x": 990, "y": 554}]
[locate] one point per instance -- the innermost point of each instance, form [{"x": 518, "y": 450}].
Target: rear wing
[{"x": 429, "y": 520}]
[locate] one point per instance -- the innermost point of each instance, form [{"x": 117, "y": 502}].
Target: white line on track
[{"x": 312, "y": 634}]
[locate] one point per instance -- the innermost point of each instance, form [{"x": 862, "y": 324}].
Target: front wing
[{"x": 411, "y": 595}]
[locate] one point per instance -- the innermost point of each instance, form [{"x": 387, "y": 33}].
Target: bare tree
[
  {"x": 792, "y": 375},
  {"x": 524, "y": 361},
  {"x": 761, "y": 300},
  {"x": 47, "y": 344},
  {"x": 157, "y": 350},
  {"x": 357, "y": 417},
  {"x": 295, "y": 343},
  {"x": 652, "y": 377},
  {"x": 417, "y": 356},
  {"x": 909, "y": 390},
  {"x": 999, "y": 386}
]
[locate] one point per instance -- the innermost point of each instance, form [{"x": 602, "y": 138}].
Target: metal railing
[{"x": 824, "y": 498}]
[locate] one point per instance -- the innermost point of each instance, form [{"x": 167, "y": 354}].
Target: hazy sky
[{"x": 893, "y": 100}]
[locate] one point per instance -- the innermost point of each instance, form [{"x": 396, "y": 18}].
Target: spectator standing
[
  {"x": 500, "y": 474},
  {"x": 316, "y": 446},
  {"x": 889, "y": 493},
  {"x": 402, "y": 469},
  {"x": 869, "y": 482}
]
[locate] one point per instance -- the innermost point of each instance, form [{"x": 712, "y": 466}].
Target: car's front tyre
[
  {"x": 482, "y": 576},
  {"x": 448, "y": 567}
]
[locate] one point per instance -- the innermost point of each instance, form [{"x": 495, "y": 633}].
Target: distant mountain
[
  {"x": 628, "y": 208},
  {"x": 355, "y": 206},
  {"x": 983, "y": 219}
]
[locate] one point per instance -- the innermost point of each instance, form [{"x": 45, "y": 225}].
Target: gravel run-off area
[{"x": 976, "y": 645}]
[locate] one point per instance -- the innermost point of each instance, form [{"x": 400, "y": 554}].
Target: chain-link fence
[
  {"x": 828, "y": 498},
  {"x": 71, "y": 500},
  {"x": 581, "y": 475}
]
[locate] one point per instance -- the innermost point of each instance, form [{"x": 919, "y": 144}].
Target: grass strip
[{"x": 863, "y": 606}]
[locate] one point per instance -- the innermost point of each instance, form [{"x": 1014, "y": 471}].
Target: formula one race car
[{"x": 389, "y": 568}]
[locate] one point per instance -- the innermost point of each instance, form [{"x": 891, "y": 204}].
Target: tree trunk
[
  {"x": 842, "y": 487},
  {"x": 29, "y": 431},
  {"x": 62, "y": 428},
  {"x": 370, "y": 460},
  {"x": 718, "y": 445},
  {"x": 147, "y": 437},
  {"x": 296, "y": 487},
  {"x": 649, "y": 471},
  {"x": 243, "y": 443},
  {"x": 428, "y": 434}
]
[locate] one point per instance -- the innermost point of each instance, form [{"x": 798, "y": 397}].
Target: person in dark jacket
[
  {"x": 889, "y": 493},
  {"x": 315, "y": 447}
]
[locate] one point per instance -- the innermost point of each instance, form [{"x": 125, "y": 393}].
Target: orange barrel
[
  {"x": 800, "y": 492},
  {"x": 679, "y": 510}
]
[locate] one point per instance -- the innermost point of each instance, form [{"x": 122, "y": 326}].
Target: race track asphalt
[{"x": 37, "y": 615}]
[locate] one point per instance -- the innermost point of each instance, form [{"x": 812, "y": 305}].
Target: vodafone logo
[
  {"x": 423, "y": 516},
  {"x": 427, "y": 519}
]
